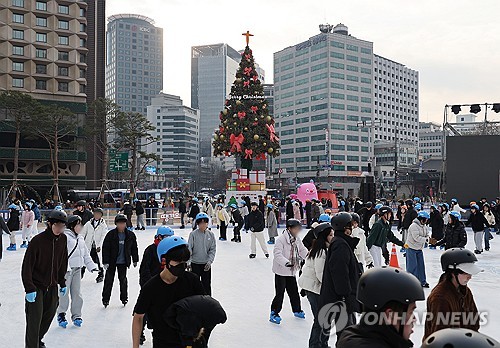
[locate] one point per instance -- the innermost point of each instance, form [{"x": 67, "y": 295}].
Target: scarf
[{"x": 294, "y": 253}]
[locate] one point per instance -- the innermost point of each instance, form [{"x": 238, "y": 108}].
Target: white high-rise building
[
  {"x": 177, "y": 126},
  {"x": 430, "y": 140}
]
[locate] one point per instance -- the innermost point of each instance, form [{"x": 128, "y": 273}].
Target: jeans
[
  {"x": 140, "y": 221},
  {"x": 487, "y": 236},
  {"x": 316, "y": 328},
  {"x": 205, "y": 276},
  {"x": 282, "y": 283},
  {"x": 415, "y": 264},
  {"x": 109, "y": 279}
]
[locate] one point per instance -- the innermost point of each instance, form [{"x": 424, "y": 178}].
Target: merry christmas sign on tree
[{"x": 246, "y": 129}]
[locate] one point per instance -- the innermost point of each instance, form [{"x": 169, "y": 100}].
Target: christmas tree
[{"x": 246, "y": 129}]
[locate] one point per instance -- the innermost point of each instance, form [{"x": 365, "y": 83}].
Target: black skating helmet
[
  {"x": 57, "y": 216},
  {"x": 455, "y": 256},
  {"x": 290, "y": 223},
  {"x": 73, "y": 221},
  {"x": 356, "y": 218},
  {"x": 120, "y": 218},
  {"x": 381, "y": 285},
  {"x": 459, "y": 338},
  {"x": 321, "y": 228},
  {"x": 340, "y": 221}
]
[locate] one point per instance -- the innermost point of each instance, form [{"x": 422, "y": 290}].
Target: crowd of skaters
[{"x": 353, "y": 242}]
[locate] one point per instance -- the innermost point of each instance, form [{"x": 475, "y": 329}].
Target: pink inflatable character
[{"x": 307, "y": 192}]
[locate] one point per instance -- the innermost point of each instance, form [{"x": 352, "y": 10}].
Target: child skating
[
  {"x": 27, "y": 221},
  {"x": 78, "y": 257},
  {"x": 288, "y": 254}
]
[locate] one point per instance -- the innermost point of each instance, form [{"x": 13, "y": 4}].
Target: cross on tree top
[{"x": 247, "y": 34}]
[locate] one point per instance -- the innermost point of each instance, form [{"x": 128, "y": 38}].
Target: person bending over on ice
[
  {"x": 44, "y": 268},
  {"x": 388, "y": 296},
  {"x": 222, "y": 219},
  {"x": 452, "y": 296},
  {"x": 288, "y": 254},
  {"x": 78, "y": 257},
  {"x": 256, "y": 225},
  {"x": 238, "y": 220},
  {"x": 380, "y": 234},
  {"x": 202, "y": 247},
  {"x": 160, "y": 292},
  {"x": 119, "y": 251}
]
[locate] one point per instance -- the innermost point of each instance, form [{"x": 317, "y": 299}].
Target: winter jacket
[
  {"x": 289, "y": 210},
  {"x": 446, "y": 298},
  {"x": 362, "y": 254},
  {"x": 437, "y": 225},
  {"x": 255, "y": 221},
  {"x": 296, "y": 212},
  {"x": 477, "y": 221},
  {"x": 139, "y": 208},
  {"x": 341, "y": 273},
  {"x": 208, "y": 209},
  {"x": 27, "y": 219},
  {"x": 454, "y": 236},
  {"x": 36, "y": 211},
  {"x": 372, "y": 336},
  {"x": 236, "y": 216},
  {"x": 458, "y": 209},
  {"x": 13, "y": 222},
  {"x": 194, "y": 209},
  {"x": 80, "y": 255},
  {"x": 127, "y": 209},
  {"x": 271, "y": 224},
  {"x": 150, "y": 265},
  {"x": 3, "y": 228},
  {"x": 366, "y": 214},
  {"x": 288, "y": 250},
  {"x": 189, "y": 315},
  {"x": 45, "y": 262},
  {"x": 417, "y": 235},
  {"x": 374, "y": 218},
  {"x": 315, "y": 212},
  {"x": 308, "y": 209},
  {"x": 243, "y": 211},
  {"x": 95, "y": 234},
  {"x": 86, "y": 215},
  {"x": 182, "y": 208},
  {"x": 411, "y": 214},
  {"x": 312, "y": 273},
  {"x": 110, "y": 248},
  {"x": 490, "y": 217},
  {"x": 262, "y": 206},
  {"x": 202, "y": 247},
  {"x": 309, "y": 237},
  {"x": 225, "y": 214},
  {"x": 380, "y": 234}
]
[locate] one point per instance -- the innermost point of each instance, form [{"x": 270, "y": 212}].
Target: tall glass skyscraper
[{"x": 134, "y": 61}]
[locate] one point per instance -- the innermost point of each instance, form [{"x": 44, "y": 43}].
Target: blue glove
[
  {"x": 62, "y": 291},
  {"x": 31, "y": 296}
]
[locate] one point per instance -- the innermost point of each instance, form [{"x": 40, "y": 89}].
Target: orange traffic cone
[{"x": 394, "y": 258}]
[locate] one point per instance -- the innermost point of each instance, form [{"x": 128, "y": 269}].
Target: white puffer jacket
[
  {"x": 361, "y": 251},
  {"x": 312, "y": 273},
  {"x": 418, "y": 235},
  {"x": 91, "y": 234},
  {"x": 80, "y": 256},
  {"x": 490, "y": 218}
]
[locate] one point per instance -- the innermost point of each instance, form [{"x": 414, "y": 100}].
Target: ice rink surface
[{"x": 244, "y": 287}]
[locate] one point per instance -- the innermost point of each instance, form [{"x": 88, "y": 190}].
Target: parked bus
[
  {"x": 88, "y": 195},
  {"x": 120, "y": 195}
]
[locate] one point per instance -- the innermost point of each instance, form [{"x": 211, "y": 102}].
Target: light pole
[{"x": 371, "y": 125}]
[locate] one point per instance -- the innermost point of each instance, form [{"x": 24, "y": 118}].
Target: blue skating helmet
[
  {"x": 424, "y": 214},
  {"x": 164, "y": 231},
  {"x": 201, "y": 216},
  {"x": 456, "y": 215},
  {"x": 168, "y": 244},
  {"x": 324, "y": 218}
]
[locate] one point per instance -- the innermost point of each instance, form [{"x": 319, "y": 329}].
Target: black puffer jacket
[
  {"x": 454, "y": 236},
  {"x": 341, "y": 273},
  {"x": 371, "y": 336},
  {"x": 411, "y": 214},
  {"x": 85, "y": 215},
  {"x": 13, "y": 222},
  {"x": 111, "y": 248},
  {"x": 150, "y": 265},
  {"x": 255, "y": 221},
  {"x": 477, "y": 221},
  {"x": 437, "y": 225}
]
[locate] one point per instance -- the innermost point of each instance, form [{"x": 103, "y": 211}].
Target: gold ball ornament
[
  {"x": 256, "y": 137},
  {"x": 264, "y": 144},
  {"x": 222, "y": 137},
  {"x": 269, "y": 118},
  {"x": 238, "y": 102},
  {"x": 224, "y": 112},
  {"x": 235, "y": 115},
  {"x": 264, "y": 106},
  {"x": 261, "y": 116},
  {"x": 235, "y": 123},
  {"x": 270, "y": 150},
  {"x": 216, "y": 137},
  {"x": 246, "y": 128},
  {"x": 256, "y": 119}
]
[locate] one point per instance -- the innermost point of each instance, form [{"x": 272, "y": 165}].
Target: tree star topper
[{"x": 247, "y": 34}]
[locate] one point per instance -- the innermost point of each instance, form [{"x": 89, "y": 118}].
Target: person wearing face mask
[
  {"x": 44, "y": 268},
  {"x": 164, "y": 289},
  {"x": 312, "y": 275},
  {"x": 452, "y": 295},
  {"x": 202, "y": 247},
  {"x": 340, "y": 277},
  {"x": 288, "y": 254},
  {"x": 78, "y": 257},
  {"x": 388, "y": 296}
]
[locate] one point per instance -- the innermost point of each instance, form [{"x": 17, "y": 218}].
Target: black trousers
[
  {"x": 237, "y": 229},
  {"x": 282, "y": 283},
  {"x": 205, "y": 276},
  {"x": 223, "y": 229},
  {"x": 385, "y": 253},
  {"x": 182, "y": 219},
  {"x": 39, "y": 315},
  {"x": 109, "y": 279}
]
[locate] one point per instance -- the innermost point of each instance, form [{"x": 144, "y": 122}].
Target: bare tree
[{"x": 18, "y": 108}]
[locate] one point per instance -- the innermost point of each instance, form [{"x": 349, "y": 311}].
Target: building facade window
[
  {"x": 18, "y": 3},
  {"x": 62, "y": 71},
  {"x": 18, "y": 34},
  {"x": 64, "y": 9},
  {"x": 18, "y": 82},
  {"x": 64, "y": 40},
  {"x": 41, "y": 69},
  {"x": 18, "y": 50},
  {"x": 41, "y": 84},
  {"x": 63, "y": 87},
  {"x": 63, "y": 25},
  {"x": 41, "y": 53},
  {"x": 41, "y": 21},
  {"x": 18, "y": 18},
  {"x": 63, "y": 56},
  {"x": 18, "y": 66},
  {"x": 41, "y": 6},
  {"x": 41, "y": 37}
]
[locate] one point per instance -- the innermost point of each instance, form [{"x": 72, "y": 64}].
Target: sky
[{"x": 454, "y": 44}]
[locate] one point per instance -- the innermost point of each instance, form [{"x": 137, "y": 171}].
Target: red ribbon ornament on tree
[
  {"x": 248, "y": 56},
  {"x": 241, "y": 114},
  {"x": 247, "y": 71},
  {"x": 261, "y": 157},
  {"x": 248, "y": 154},
  {"x": 255, "y": 77},
  {"x": 254, "y": 109},
  {"x": 236, "y": 142},
  {"x": 246, "y": 83},
  {"x": 272, "y": 133}
]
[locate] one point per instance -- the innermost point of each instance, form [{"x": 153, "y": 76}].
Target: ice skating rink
[{"x": 244, "y": 287}]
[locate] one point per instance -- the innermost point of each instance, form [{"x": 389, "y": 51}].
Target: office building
[
  {"x": 177, "y": 126},
  {"x": 134, "y": 61},
  {"x": 44, "y": 47},
  {"x": 430, "y": 140}
]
